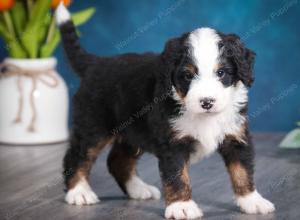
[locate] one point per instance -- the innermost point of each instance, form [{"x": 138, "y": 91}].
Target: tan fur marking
[
  {"x": 75, "y": 179},
  {"x": 174, "y": 193},
  {"x": 85, "y": 167},
  {"x": 185, "y": 175},
  {"x": 191, "y": 68},
  {"x": 241, "y": 183},
  {"x": 217, "y": 67},
  {"x": 122, "y": 164},
  {"x": 181, "y": 95},
  {"x": 240, "y": 136},
  {"x": 192, "y": 71}
]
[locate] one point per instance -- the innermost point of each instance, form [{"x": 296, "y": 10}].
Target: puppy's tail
[{"x": 79, "y": 59}]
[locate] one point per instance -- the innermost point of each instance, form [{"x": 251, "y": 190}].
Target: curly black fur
[
  {"x": 242, "y": 57},
  {"x": 129, "y": 96}
]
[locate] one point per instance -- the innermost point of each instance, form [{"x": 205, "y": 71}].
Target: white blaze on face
[
  {"x": 204, "y": 50},
  {"x": 208, "y": 128}
]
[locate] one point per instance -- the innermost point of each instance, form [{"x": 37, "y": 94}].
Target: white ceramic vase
[{"x": 33, "y": 102}]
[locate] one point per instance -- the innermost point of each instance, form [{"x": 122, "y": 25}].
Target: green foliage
[
  {"x": 14, "y": 48},
  {"x": 83, "y": 16},
  {"x": 49, "y": 48},
  {"x": 78, "y": 18},
  {"x": 18, "y": 13},
  {"x": 30, "y": 32},
  {"x": 30, "y": 36},
  {"x": 292, "y": 139}
]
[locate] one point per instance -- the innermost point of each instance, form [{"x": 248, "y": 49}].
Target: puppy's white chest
[{"x": 209, "y": 130}]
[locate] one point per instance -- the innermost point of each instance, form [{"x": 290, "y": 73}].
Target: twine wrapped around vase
[{"x": 36, "y": 76}]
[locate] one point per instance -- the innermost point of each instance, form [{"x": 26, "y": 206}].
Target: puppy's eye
[
  {"x": 221, "y": 73},
  {"x": 188, "y": 76}
]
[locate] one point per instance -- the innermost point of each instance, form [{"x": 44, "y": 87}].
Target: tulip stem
[
  {"x": 9, "y": 23},
  {"x": 51, "y": 30},
  {"x": 29, "y": 7}
]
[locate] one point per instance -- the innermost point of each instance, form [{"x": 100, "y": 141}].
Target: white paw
[
  {"x": 138, "y": 189},
  {"x": 254, "y": 203},
  {"x": 183, "y": 210},
  {"x": 81, "y": 194}
]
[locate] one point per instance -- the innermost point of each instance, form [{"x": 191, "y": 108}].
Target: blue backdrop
[{"x": 270, "y": 28}]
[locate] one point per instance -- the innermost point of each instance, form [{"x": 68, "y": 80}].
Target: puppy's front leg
[
  {"x": 177, "y": 189},
  {"x": 238, "y": 157}
]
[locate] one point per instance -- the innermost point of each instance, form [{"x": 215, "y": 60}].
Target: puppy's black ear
[
  {"x": 174, "y": 51},
  {"x": 171, "y": 51},
  {"x": 242, "y": 57}
]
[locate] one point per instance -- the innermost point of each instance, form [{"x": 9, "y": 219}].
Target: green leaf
[
  {"x": 30, "y": 41},
  {"x": 31, "y": 37},
  {"x": 15, "y": 50},
  {"x": 79, "y": 18},
  {"x": 83, "y": 16},
  {"x": 39, "y": 11},
  {"x": 44, "y": 28},
  {"x": 4, "y": 33},
  {"x": 291, "y": 140},
  {"x": 19, "y": 17},
  {"x": 12, "y": 45},
  {"x": 48, "y": 49}
]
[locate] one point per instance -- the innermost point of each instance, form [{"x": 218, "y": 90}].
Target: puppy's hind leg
[
  {"x": 78, "y": 162},
  {"x": 121, "y": 163}
]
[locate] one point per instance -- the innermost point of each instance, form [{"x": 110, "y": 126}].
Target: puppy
[{"x": 180, "y": 105}]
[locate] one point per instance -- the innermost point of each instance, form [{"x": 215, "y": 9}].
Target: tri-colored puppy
[{"x": 180, "y": 105}]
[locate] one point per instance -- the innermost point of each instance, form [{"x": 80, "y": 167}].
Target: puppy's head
[{"x": 208, "y": 70}]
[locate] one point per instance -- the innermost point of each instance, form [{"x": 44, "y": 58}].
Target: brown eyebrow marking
[
  {"x": 180, "y": 94},
  {"x": 218, "y": 66},
  {"x": 191, "y": 68}
]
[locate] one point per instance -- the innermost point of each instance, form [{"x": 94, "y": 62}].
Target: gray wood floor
[{"x": 31, "y": 185}]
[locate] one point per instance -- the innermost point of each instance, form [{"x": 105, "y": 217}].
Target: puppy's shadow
[
  {"x": 230, "y": 211},
  {"x": 113, "y": 198},
  {"x": 228, "y": 207},
  {"x": 153, "y": 209}
]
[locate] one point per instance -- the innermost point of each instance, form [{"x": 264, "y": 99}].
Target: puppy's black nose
[{"x": 207, "y": 103}]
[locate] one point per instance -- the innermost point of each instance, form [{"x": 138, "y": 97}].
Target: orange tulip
[
  {"x": 55, "y": 3},
  {"x": 6, "y": 4}
]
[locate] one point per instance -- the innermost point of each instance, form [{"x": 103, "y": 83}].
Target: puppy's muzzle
[{"x": 207, "y": 103}]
